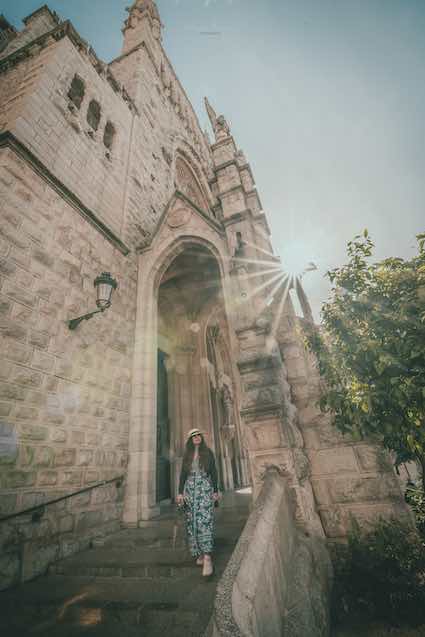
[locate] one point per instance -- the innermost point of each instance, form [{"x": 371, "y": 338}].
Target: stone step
[
  {"x": 171, "y": 536},
  {"x": 166, "y": 523},
  {"x": 136, "y": 563},
  {"x": 144, "y": 621},
  {"x": 135, "y": 582},
  {"x": 68, "y": 606}
]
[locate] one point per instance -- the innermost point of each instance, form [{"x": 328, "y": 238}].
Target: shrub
[
  {"x": 415, "y": 496},
  {"x": 380, "y": 575}
]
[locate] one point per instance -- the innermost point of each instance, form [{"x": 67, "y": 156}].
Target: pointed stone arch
[
  {"x": 187, "y": 182},
  {"x": 196, "y": 232}
]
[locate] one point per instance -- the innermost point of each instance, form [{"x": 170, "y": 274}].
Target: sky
[{"x": 325, "y": 97}]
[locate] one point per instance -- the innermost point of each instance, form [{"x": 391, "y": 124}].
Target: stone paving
[{"x": 136, "y": 582}]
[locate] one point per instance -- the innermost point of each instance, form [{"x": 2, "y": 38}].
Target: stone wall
[
  {"x": 64, "y": 395},
  {"x": 166, "y": 129},
  {"x": 349, "y": 478},
  {"x": 277, "y": 583},
  {"x": 37, "y": 111}
]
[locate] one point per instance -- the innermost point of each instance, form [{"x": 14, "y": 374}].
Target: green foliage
[
  {"x": 415, "y": 496},
  {"x": 380, "y": 575},
  {"x": 371, "y": 350}
]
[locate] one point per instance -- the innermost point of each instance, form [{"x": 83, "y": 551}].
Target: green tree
[{"x": 371, "y": 349}]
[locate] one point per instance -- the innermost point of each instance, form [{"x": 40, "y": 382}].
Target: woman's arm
[{"x": 183, "y": 476}]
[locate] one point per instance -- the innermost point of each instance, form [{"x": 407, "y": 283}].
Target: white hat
[{"x": 194, "y": 432}]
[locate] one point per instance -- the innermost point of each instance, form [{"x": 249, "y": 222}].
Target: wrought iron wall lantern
[{"x": 104, "y": 285}]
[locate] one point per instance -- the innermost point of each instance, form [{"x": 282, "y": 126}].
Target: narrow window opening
[
  {"x": 76, "y": 91},
  {"x": 93, "y": 115},
  {"x": 108, "y": 135}
]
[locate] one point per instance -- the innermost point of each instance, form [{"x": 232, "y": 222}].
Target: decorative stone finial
[
  {"x": 138, "y": 10},
  {"x": 220, "y": 126}
]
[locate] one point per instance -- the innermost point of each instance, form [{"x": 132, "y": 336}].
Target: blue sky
[{"x": 326, "y": 98}]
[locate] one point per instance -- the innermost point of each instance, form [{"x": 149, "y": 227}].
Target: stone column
[
  {"x": 140, "y": 498},
  {"x": 271, "y": 433}
]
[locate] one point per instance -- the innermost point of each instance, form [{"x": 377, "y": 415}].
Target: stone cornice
[
  {"x": 8, "y": 140},
  {"x": 256, "y": 361},
  {"x": 225, "y": 164},
  {"x": 263, "y": 412},
  {"x": 224, "y": 142},
  {"x": 254, "y": 192},
  {"x": 233, "y": 162},
  {"x": 237, "y": 217},
  {"x": 247, "y": 167},
  {"x": 221, "y": 195},
  {"x": 260, "y": 217},
  {"x": 58, "y": 33}
]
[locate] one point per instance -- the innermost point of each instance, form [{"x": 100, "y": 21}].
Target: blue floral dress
[{"x": 199, "y": 512}]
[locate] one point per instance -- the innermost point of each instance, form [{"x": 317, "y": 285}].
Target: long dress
[{"x": 199, "y": 512}]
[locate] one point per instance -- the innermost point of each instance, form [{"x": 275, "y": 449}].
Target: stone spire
[
  {"x": 143, "y": 17},
  {"x": 219, "y": 125}
]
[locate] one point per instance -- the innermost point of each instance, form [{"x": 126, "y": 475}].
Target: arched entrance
[
  {"x": 184, "y": 288},
  {"x": 195, "y": 377}
]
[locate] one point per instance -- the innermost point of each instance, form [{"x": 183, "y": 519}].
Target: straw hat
[{"x": 194, "y": 432}]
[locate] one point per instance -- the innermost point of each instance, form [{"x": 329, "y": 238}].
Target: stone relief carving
[
  {"x": 179, "y": 217},
  {"x": 187, "y": 184},
  {"x": 228, "y": 427}
]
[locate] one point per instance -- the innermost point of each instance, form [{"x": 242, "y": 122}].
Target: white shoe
[{"x": 208, "y": 568}]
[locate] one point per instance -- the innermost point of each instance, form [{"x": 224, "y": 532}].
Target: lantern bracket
[
  {"x": 73, "y": 323},
  {"x": 104, "y": 285}
]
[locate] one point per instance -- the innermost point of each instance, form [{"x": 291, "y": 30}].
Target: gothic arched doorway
[{"x": 195, "y": 380}]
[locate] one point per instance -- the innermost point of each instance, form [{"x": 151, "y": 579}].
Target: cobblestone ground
[{"x": 137, "y": 582}]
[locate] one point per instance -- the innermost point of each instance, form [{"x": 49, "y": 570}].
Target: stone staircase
[{"x": 136, "y": 582}]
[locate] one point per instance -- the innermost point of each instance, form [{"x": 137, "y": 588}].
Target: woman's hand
[
  {"x": 179, "y": 499},
  {"x": 216, "y": 497}
]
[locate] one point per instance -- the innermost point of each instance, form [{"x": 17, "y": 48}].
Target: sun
[{"x": 297, "y": 259}]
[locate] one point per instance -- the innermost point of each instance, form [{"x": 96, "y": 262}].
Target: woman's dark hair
[{"x": 189, "y": 452}]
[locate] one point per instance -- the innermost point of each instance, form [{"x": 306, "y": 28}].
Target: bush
[
  {"x": 380, "y": 575},
  {"x": 415, "y": 496}
]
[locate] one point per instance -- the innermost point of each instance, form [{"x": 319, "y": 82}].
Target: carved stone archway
[{"x": 183, "y": 229}]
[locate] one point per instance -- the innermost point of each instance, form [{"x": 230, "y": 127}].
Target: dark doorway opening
[{"x": 163, "y": 482}]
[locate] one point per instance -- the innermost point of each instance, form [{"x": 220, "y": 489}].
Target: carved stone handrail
[{"x": 277, "y": 582}]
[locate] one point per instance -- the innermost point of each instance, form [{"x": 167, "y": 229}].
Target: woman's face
[{"x": 197, "y": 440}]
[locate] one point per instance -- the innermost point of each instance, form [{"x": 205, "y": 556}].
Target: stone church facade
[{"x": 104, "y": 168}]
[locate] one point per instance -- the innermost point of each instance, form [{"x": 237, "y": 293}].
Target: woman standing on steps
[{"x": 198, "y": 493}]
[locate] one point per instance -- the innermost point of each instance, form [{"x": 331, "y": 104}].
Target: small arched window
[
  {"x": 76, "y": 91},
  {"x": 108, "y": 135},
  {"x": 93, "y": 115}
]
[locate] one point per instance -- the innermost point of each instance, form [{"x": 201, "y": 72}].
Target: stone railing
[{"x": 278, "y": 580}]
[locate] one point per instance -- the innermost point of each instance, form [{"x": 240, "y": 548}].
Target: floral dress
[{"x": 199, "y": 512}]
